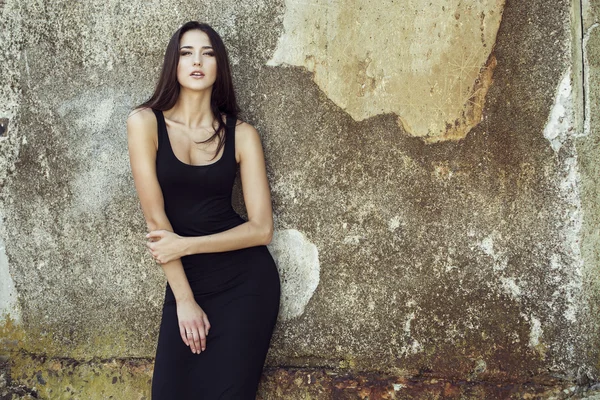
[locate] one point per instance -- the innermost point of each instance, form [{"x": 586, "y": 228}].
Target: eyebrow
[{"x": 191, "y": 47}]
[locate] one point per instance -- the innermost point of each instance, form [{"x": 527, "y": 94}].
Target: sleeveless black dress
[{"x": 239, "y": 290}]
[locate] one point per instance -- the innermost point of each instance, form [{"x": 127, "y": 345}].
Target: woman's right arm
[{"x": 142, "y": 144}]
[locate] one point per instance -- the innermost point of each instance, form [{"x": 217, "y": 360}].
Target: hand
[
  {"x": 193, "y": 325},
  {"x": 165, "y": 246}
]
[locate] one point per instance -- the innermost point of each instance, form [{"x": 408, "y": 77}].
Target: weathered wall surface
[
  {"x": 434, "y": 173},
  {"x": 430, "y": 67}
]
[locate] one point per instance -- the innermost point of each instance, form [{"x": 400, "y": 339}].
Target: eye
[
  {"x": 210, "y": 53},
  {"x": 185, "y": 53}
]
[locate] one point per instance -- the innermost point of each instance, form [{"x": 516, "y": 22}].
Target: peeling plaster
[
  {"x": 510, "y": 287},
  {"x": 410, "y": 344},
  {"x": 559, "y": 121},
  {"x": 535, "y": 332},
  {"x": 487, "y": 246},
  {"x": 407, "y": 322},
  {"x": 429, "y": 63},
  {"x": 297, "y": 260},
  {"x": 395, "y": 223},
  {"x": 560, "y": 132}
]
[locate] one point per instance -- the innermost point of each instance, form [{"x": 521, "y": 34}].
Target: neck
[{"x": 193, "y": 108}]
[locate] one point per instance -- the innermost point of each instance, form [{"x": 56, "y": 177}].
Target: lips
[{"x": 197, "y": 74}]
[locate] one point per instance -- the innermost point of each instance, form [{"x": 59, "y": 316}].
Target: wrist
[
  {"x": 186, "y": 246},
  {"x": 195, "y": 245},
  {"x": 186, "y": 298}
]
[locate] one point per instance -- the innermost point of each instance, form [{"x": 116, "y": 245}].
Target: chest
[{"x": 194, "y": 147}]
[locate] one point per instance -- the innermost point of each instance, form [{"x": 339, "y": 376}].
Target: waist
[
  {"x": 207, "y": 262},
  {"x": 190, "y": 224}
]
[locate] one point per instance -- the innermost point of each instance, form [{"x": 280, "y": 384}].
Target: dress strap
[
  {"x": 230, "y": 136},
  {"x": 160, "y": 122},
  {"x": 230, "y": 124}
]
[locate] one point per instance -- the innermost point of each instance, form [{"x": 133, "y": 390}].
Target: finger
[
  {"x": 202, "y": 339},
  {"x": 190, "y": 336},
  {"x": 182, "y": 332},
  {"x": 197, "y": 340},
  {"x": 202, "y": 334},
  {"x": 155, "y": 234},
  {"x": 206, "y": 324},
  {"x": 155, "y": 255}
]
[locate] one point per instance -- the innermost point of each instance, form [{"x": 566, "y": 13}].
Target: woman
[{"x": 222, "y": 294}]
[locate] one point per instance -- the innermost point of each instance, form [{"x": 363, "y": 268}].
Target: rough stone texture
[
  {"x": 296, "y": 384},
  {"x": 457, "y": 269},
  {"x": 45, "y": 378},
  {"x": 588, "y": 148},
  {"x": 590, "y": 12},
  {"x": 10, "y": 141}
]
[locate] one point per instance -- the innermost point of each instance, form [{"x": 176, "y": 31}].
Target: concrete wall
[{"x": 435, "y": 177}]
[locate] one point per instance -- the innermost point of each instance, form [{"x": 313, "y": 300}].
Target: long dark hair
[{"x": 223, "y": 96}]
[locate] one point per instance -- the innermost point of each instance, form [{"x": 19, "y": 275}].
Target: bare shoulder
[
  {"x": 245, "y": 131},
  {"x": 141, "y": 117},
  {"x": 141, "y": 123},
  {"x": 247, "y": 141}
]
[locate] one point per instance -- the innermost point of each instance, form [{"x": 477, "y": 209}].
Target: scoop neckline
[{"x": 184, "y": 163}]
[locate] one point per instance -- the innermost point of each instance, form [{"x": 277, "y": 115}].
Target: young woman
[{"x": 223, "y": 290}]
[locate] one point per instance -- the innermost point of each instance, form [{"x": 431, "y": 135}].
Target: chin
[{"x": 197, "y": 88}]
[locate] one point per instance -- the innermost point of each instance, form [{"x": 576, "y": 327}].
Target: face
[{"x": 196, "y": 54}]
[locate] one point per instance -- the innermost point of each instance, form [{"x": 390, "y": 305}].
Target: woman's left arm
[{"x": 258, "y": 230}]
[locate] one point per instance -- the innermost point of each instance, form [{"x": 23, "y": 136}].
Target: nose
[{"x": 198, "y": 60}]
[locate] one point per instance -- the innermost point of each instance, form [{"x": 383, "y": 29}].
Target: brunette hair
[{"x": 223, "y": 95}]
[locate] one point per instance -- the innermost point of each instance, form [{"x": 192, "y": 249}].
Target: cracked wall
[{"x": 415, "y": 256}]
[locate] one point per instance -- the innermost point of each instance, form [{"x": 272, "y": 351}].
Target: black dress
[{"x": 239, "y": 290}]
